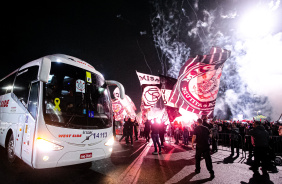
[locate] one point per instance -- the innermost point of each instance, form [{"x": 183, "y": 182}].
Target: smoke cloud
[{"x": 251, "y": 81}]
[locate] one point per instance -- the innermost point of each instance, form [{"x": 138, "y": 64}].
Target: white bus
[{"x": 56, "y": 111}]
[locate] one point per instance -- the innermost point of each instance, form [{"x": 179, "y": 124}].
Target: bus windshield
[{"x": 76, "y": 98}]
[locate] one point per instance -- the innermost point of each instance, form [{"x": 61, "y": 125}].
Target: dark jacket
[
  {"x": 147, "y": 126},
  {"x": 125, "y": 127},
  {"x": 214, "y": 132},
  {"x": 162, "y": 128},
  {"x": 235, "y": 134},
  {"x": 260, "y": 135},
  {"x": 130, "y": 127},
  {"x": 155, "y": 127}
]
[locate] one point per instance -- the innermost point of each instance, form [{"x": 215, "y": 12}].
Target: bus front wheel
[{"x": 11, "y": 149}]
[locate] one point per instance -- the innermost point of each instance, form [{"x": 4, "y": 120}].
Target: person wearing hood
[{"x": 260, "y": 141}]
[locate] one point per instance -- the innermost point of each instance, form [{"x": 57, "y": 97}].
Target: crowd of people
[
  {"x": 130, "y": 125},
  {"x": 256, "y": 135}
]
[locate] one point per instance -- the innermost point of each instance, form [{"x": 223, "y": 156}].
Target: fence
[
  {"x": 245, "y": 144},
  {"x": 224, "y": 141}
]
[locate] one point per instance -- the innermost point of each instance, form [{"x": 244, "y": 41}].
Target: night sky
[
  {"x": 119, "y": 37},
  {"x": 105, "y": 34}
]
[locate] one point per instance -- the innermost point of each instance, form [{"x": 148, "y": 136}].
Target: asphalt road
[{"x": 137, "y": 165}]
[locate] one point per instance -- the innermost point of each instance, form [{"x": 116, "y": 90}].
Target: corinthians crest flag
[
  {"x": 118, "y": 110},
  {"x": 151, "y": 93},
  {"x": 198, "y": 82}
]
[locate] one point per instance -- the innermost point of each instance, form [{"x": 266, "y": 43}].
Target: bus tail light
[
  {"x": 110, "y": 142},
  {"x": 46, "y": 146}
]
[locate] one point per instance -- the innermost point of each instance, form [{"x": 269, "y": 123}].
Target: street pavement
[
  {"x": 176, "y": 164},
  {"x": 136, "y": 164}
]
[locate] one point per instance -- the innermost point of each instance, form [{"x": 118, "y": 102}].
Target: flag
[
  {"x": 198, "y": 82},
  {"x": 172, "y": 113},
  {"x": 150, "y": 89},
  {"x": 167, "y": 84},
  {"x": 148, "y": 79},
  {"x": 126, "y": 103},
  {"x": 118, "y": 110}
]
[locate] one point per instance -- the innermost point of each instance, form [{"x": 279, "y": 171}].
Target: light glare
[{"x": 257, "y": 22}]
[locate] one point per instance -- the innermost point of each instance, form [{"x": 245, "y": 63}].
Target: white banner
[{"x": 148, "y": 79}]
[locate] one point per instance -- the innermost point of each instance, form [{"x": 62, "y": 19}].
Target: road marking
[
  {"x": 138, "y": 149},
  {"x": 133, "y": 170}
]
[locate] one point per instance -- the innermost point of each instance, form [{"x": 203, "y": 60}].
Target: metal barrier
[
  {"x": 275, "y": 144},
  {"x": 245, "y": 144},
  {"x": 224, "y": 140}
]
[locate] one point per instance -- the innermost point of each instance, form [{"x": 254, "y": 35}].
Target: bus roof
[
  {"x": 60, "y": 58},
  {"x": 66, "y": 59}
]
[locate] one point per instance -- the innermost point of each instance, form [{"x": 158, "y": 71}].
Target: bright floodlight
[{"x": 257, "y": 22}]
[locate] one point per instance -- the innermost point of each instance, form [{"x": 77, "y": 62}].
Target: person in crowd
[
  {"x": 155, "y": 136},
  {"x": 130, "y": 131},
  {"x": 201, "y": 135},
  {"x": 242, "y": 131},
  {"x": 185, "y": 135},
  {"x": 147, "y": 130},
  {"x": 176, "y": 132},
  {"x": 235, "y": 139},
  {"x": 162, "y": 133},
  {"x": 215, "y": 136},
  {"x": 125, "y": 129},
  {"x": 260, "y": 141},
  {"x": 280, "y": 130},
  {"x": 274, "y": 129},
  {"x": 205, "y": 123},
  {"x": 136, "y": 125},
  {"x": 141, "y": 128},
  {"x": 248, "y": 143}
]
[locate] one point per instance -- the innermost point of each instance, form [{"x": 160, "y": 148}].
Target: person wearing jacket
[
  {"x": 201, "y": 135},
  {"x": 155, "y": 127},
  {"x": 125, "y": 129},
  {"x": 162, "y": 133},
  {"x": 260, "y": 141},
  {"x": 185, "y": 135},
  {"x": 136, "y": 125},
  {"x": 235, "y": 139},
  {"x": 147, "y": 130},
  {"x": 130, "y": 131},
  {"x": 215, "y": 136}
]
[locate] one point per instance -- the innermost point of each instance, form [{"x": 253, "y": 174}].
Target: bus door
[{"x": 29, "y": 124}]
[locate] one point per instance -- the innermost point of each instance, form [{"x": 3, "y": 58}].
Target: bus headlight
[
  {"x": 110, "y": 142},
  {"x": 46, "y": 146}
]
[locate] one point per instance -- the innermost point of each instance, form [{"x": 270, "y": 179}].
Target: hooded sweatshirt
[{"x": 260, "y": 135}]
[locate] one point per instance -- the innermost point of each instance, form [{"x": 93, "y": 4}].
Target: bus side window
[
  {"x": 23, "y": 82},
  {"x": 7, "y": 84},
  {"x": 33, "y": 99}
]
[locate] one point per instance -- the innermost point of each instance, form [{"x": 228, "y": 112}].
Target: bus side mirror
[
  {"x": 44, "y": 70},
  {"x": 119, "y": 85}
]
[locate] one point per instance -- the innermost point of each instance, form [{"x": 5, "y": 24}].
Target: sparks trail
[
  {"x": 200, "y": 27},
  {"x": 143, "y": 56}
]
